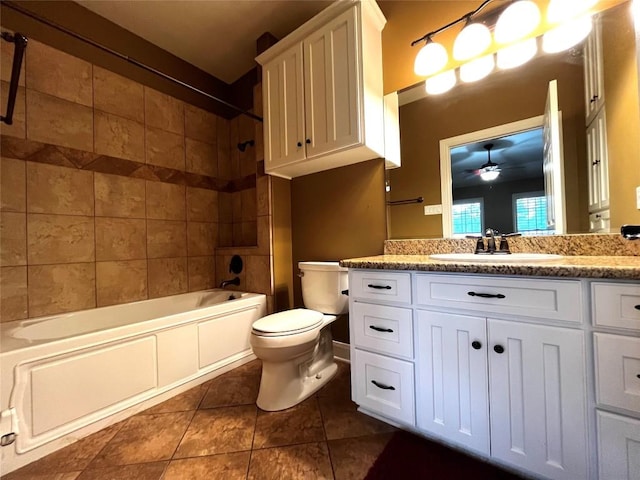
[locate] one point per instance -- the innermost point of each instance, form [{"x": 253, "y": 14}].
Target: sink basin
[{"x": 513, "y": 258}]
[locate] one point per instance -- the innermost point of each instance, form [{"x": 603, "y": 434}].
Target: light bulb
[
  {"x": 441, "y": 83},
  {"x": 477, "y": 69},
  {"x": 430, "y": 59},
  {"x": 567, "y": 35},
  {"x": 517, "y": 21},
  {"x": 518, "y": 54},
  {"x": 563, "y": 10},
  {"x": 489, "y": 175},
  {"x": 473, "y": 40}
]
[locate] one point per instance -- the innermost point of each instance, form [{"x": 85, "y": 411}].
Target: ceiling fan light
[
  {"x": 567, "y": 35},
  {"x": 441, "y": 83},
  {"x": 489, "y": 175},
  {"x": 519, "y": 20},
  {"x": 518, "y": 54},
  {"x": 563, "y": 10},
  {"x": 472, "y": 41},
  {"x": 430, "y": 59},
  {"x": 477, "y": 69}
]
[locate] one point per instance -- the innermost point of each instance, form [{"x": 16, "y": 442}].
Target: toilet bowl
[{"x": 296, "y": 346}]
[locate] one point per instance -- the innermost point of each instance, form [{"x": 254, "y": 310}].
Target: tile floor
[{"x": 215, "y": 431}]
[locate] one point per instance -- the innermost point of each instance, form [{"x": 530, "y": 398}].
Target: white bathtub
[{"x": 66, "y": 376}]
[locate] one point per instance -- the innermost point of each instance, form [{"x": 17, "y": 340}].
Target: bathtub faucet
[{"x": 235, "y": 281}]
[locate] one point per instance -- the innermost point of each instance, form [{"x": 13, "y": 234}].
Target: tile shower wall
[{"x": 109, "y": 189}]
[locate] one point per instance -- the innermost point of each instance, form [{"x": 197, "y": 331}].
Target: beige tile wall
[{"x": 73, "y": 239}]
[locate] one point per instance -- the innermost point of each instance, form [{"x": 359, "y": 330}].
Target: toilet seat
[{"x": 289, "y": 322}]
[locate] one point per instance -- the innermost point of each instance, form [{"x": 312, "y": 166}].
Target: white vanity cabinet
[
  {"x": 593, "y": 71},
  {"x": 616, "y": 318},
  {"x": 499, "y": 363},
  {"x": 322, "y": 92},
  {"x": 382, "y": 344}
]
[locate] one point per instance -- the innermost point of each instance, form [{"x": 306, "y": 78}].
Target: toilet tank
[{"x": 322, "y": 287}]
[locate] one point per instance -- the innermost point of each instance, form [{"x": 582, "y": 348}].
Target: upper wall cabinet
[
  {"x": 322, "y": 92},
  {"x": 593, "y": 71}
]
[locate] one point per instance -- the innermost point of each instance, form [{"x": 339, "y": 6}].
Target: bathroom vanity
[{"x": 533, "y": 366}]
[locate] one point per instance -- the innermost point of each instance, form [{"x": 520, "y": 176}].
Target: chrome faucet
[{"x": 235, "y": 281}]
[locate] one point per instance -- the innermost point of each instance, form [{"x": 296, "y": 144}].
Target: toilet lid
[{"x": 289, "y": 320}]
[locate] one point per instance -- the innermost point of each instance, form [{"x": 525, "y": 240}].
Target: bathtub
[{"x": 65, "y": 376}]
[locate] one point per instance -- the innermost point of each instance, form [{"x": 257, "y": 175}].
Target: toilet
[{"x": 295, "y": 346}]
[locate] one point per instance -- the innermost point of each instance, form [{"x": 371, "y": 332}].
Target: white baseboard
[{"x": 341, "y": 351}]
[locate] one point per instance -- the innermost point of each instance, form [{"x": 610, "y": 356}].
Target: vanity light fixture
[{"x": 516, "y": 22}]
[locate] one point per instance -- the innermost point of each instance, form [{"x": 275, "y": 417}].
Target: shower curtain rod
[{"x": 133, "y": 61}]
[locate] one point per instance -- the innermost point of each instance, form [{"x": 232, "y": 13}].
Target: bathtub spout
[{"x": 235, "y": 281}]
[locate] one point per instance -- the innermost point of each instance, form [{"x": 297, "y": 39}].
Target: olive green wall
[
  {"x": 338, "y": 214},
  {"x": 623, "y": 114}
]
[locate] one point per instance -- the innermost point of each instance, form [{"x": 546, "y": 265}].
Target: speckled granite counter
[{"x": 622, "y": 267}]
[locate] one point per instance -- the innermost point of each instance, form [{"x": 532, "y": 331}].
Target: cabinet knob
[
  {"x": 498, "y": 349},
  {"x": 299, "y": 144},
  {"x": 476, "y": 345},
  {"x": 637, "y": 307},
  {"x": 308, "y": 141},
  {"x": 638, "y": 375}
]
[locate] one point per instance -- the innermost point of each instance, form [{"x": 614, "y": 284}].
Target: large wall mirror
[{"x": 482, "y": 113}]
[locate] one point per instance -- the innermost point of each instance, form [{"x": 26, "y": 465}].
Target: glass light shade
[
  {"x": 430, "y": 59},
  {"x": 567, "y": 35},
  {"x": 489, "y": 175},
  {"x": 473, "y": 40},
  {"x": 563, "y": 10},
  {"x": 477, "y": 69},
  {"x": 517, "y": 21},
  {"x": 518, "y": 54},
  {"x": 441, "y": 83}
]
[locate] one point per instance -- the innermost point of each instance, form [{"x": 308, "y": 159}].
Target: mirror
[{"x": 514, "y": 95}]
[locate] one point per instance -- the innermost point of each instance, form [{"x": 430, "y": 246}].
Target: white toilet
[{"x": 295, "y": 346}]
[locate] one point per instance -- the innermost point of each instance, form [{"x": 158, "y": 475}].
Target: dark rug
[{"x": 408, "y": 456}]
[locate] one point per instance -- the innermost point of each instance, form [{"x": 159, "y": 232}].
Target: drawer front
[
  {"x": 383, "y": 329},
  {"x": 384, "y": 385},
  {"x": 382, "y": 286},
  {"x": 618, "y": 447},
  {"x": 555, "y": 300},
  {"x": 617, "y": 371},
  {"x": 616, "y": 305},
  {"x": 600, "y": 222}
]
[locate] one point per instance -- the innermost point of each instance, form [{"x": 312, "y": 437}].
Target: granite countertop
[{"x": 613, "y": 267}]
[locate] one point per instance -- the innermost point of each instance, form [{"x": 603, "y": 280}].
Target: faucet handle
[
  {"x": 504, "y": 245},
  {"x": 479, "y": 243}
]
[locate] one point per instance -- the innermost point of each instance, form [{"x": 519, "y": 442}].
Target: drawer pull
[
  {"x": 379, "y": 329},
  {"x": 382, "y": 385},
  {"x": 637, "y": 307},
  {"x": 380, "y": 287},
  {"x": 486, "y": 295},
  {"x": 476, "y": 345},
  {"x": 498, "y": 349}
]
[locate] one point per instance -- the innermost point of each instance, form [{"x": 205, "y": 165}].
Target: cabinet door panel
[
  {"x": 331, "y": 81},
  {"x": 284, "y": 109},
  {"x": 537, "y": 391},
  {"x": 618, "y": 447},
  {"x": 452, "y": 378}
]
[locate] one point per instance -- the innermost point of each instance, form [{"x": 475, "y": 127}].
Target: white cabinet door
[
  {"x": 283, "y": 102},
  {"x": 452, "y": 385},
  {"x": 331, "y": 86},
  {"x": 552, "y": 162},
  {"x": 537, "y": 390},
  {"x": 598, "y": 159},
  {"x": 593, "y": 71},
  {"x": 618, "y": 447}
]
